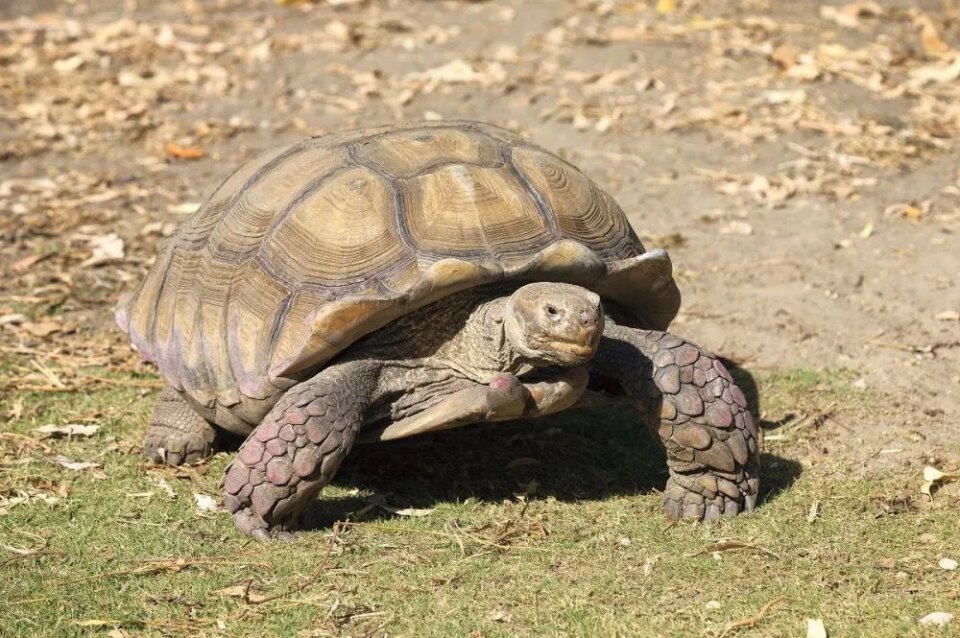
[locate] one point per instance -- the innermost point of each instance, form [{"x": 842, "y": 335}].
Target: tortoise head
[{"x": 554, "y": 323}]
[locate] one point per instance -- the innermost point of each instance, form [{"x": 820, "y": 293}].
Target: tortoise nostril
[{"x": 588, "y": 317}]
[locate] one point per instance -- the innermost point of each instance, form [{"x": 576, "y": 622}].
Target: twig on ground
[
  {"x": 728, "y": 545},
  {"x": 750, "y": 621}
]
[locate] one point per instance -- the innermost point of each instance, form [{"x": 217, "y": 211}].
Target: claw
[
  {"x": 672, "y": 509},
  {"x": 693, "y": 507},
  {"x": 712, "y": 512},
  {"x": 732, "y": 508},
  {"x": 688, "y": 496}
]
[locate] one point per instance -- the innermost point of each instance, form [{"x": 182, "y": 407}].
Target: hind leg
[{"x": 177, "y": 434}]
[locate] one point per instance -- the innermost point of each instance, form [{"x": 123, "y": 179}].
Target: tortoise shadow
[{"x": 571, "y": 456}]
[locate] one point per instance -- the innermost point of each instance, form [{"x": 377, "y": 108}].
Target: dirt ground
[{"x": 798, "y": 159}]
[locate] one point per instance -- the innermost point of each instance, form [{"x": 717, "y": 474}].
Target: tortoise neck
[{"x": 492, "y": 330}]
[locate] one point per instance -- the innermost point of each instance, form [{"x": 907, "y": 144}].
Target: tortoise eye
[{"x": 552, "y": 310}]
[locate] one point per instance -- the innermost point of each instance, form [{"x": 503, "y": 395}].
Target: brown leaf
[
  {"x": 174, "y": 150},
  {"x": 242, "y": 590},
  {"x": 42, "y": 328},
  {"x": 930, "y": 38},
  {"x": 25, "y": 263},
  {"x": 75, "y": 465},
  {"x": 106, "y": 249},
  {"x": 785, "y": 55},
  {"x": 849, "y": 14}
]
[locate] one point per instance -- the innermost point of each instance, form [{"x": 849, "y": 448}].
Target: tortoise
[{"x": 384, "y": 282}]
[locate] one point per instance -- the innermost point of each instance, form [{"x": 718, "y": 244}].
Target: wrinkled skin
[{"x": 486, "y": 356}]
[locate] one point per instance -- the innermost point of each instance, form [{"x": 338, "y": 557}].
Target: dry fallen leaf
[
  {"x": 75, "y": 465},
  {"x": 205, "y": 503},
  {"x": 666, "y": 6},
  {"x": 70, "y": 429},
  {"x": 242, "y": 590},
  {"x": 939, "y": 618},
  {"x": 932, "y": 477},
  {"x": 786, "y": 96},
  {"x": 453, "y": 72},
  {"x": 68, "y": 65},
  {"x": 501, "y": 616},
  {"x": 42, "y": 328},
  {"x": 849, "y": 15},
  {"x": 736, "y": 227},
  {"x": 106, "y": 249},
  {"x": 930, "y": 39},
  {"x": 185, "y": 208},
  {"x": 174, "y": 150},
  {"x": 378, "y": 500},
  {"x": 785, "y": 55},
  {"x": 805, "y": 68},
  {"x": 937, "y": 74},
  {"x": 165, "y": 487},
  {"x": 816, "y": 628},
  {"x": 24, "y": 264}
]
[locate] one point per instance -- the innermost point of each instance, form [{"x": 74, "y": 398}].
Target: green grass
[{"x": 585, "y": 552}]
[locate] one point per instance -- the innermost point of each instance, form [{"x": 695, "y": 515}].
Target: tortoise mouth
[
  {"x": 574, "y": 348},
  {"x": 566, "y": 353}
]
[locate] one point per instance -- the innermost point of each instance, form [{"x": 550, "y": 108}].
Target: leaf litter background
[{"x": 798, "y": 159}]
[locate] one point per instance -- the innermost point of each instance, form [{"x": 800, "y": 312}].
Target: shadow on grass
[{"x": 572, "y": 456}]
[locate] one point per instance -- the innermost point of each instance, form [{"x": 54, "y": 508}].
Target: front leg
[
  {"x": 700, "y": 415},
  {"x": 298, "y": 448},
  {"x": 505, "y": 397}
]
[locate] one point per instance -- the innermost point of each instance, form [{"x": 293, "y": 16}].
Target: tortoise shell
[{"x": 307, "y": 248}]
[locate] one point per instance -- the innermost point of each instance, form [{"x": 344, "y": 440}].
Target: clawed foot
[
  {"x": 253, "y": 524},
  {"x": 706, "y": 496},
  {"x": 177, "y": 434},
  {"x": 173, "y": 447}
]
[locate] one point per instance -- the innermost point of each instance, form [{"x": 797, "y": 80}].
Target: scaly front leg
[
  {"x": 297, "y": 449},
  {"x": 506, "y": 397},
  {"x": 701, "y": 416}
]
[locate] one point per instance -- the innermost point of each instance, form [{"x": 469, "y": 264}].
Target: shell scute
[
  {"x": 337, "y": 234},
  {"x": 583, "y": 211},
  {"x": 410, "y": 153},
  {"x": 468, "y": 211}
]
